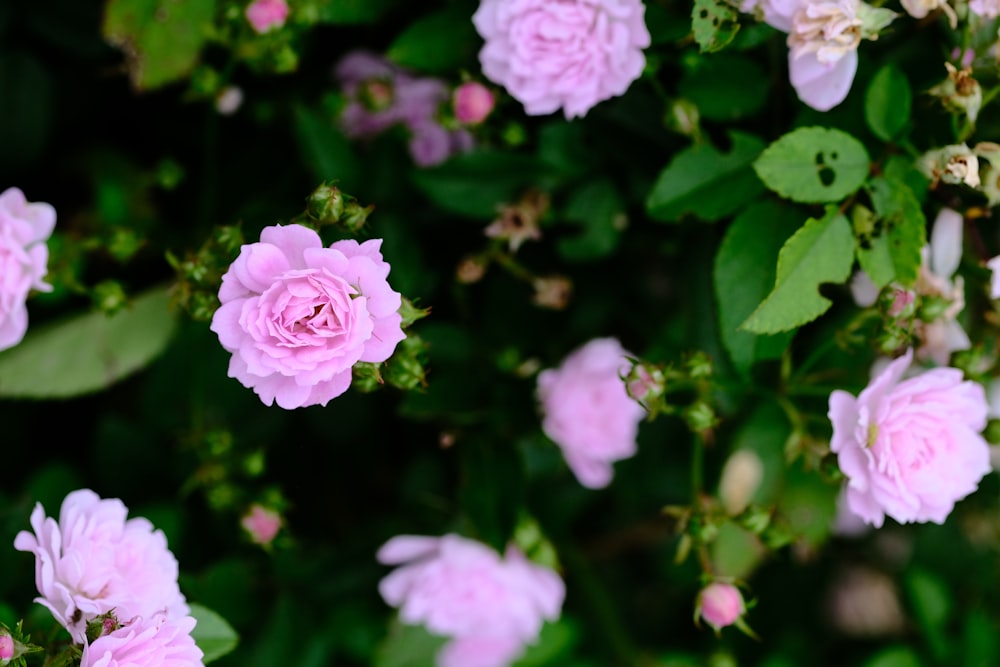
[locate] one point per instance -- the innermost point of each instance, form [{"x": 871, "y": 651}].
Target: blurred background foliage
[{"x": 107, "y": 112}]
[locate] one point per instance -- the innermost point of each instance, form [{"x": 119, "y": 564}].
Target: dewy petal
[
  {"x": 822, "y": 86},
  {"x": 946, "y": 243}
]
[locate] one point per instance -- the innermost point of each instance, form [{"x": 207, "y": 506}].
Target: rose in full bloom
[
  {"x": 266, "y": 15},
  {"x": 489, "y": 606},
  {"x": 157, "y": 642},
  {"x": 588, "y": 412},
  {"x": 94, "y": 560},
  {"x": 569, "y": 54},
  {"x": 24, "y": 228},
  {"x": 910, "y": 448},
  {"x": 720, "y": 604},
  {"x": 297, "y": 316}
]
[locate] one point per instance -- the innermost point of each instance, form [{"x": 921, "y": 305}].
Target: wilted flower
[
  {"x": 489, "y": 606},
  {"x": 587, "y": 411},
  {"x": 952, "y": 164},
  {"x": 552, "y": 292},
  {"x": 720, "y": 605},
  {"x": 960, "y": 92},
  {"x": 93, "y": 561},
  {"x": 156, "y": 642},
  {"x": 297, "y": 316},
  {"x": 910, "y": 448},
  {"x": 568, "y": 54},
  {"x": 24, "y": 229},
  {"x": 518, "y": 222},
  {"x": 267, "y": 15}
]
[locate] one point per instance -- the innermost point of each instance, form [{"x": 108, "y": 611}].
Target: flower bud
[
  {"x": 472, "y": 102},
  {"x": 741, "y": 477},
  {"x": 6, "y": 647},
  {"x": 471, "y": 269},
  {"x": 720, "y": 605},
  {"x": 683, "y": 117},
  {"x": 552, "y": 292},
  {"x": 952, "y": 164},
  {"x": 228, "y": 100},
  {"x": 325, "y": 204},
  {"x": 266, "y": 15},
  {"x": 262, "y": 524},
  {"x": 645, "y": 382}
]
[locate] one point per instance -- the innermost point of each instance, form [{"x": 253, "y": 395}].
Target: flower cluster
[
  {"x": 297, "y": 316},
  {"x": 24, "y": 228},
  {"x": 568, "y": 54},
  {"x": 381, "y": 95},
  {"x": 489, "y": 606},
  {"x": 588, "y": 412}
]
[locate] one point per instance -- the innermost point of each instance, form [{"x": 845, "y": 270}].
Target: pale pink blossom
[
  {"x": 910, "y": 448},
  {"x": 94, "y": 560},
  {"x": 24, "y": 229},
  {"x": 720, "y": 604},
  {"x": 297, "y": 316},
  {"x": 266, "y": 15},
  {"x": 588, "y": 412},
  {"x": 994, "y": 266},
  {"x": 262, "y": 524},
  {"x": 937, "y": 279},
  {"x": 156, "y": 642},
  {"x": 568, "y": 54},
  {"x": 987, "y": 9},
  {"x": 489, "y": 606},
  {"x": 472, "y": 102}
]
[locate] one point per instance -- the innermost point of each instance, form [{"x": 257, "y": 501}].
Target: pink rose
[
  {"x": 94, "y": 561},
  {"x": 265, "y": 15},
  {"x": 491, "y": 606},
  {"x": 24, "y": 228},
  {"x": 720, "y": 604},
  {"x": 261, "y": 524},
  {"x": 297, "y": 316},
  {"x": 157, "y": 642},
  {"x": 910, "y": 448},
  {"x": 588, "y": 412},
  {"x": 472, "y": 102},
  {"x": 562, "y": 53},
  {"x": 6, "y": 646}
]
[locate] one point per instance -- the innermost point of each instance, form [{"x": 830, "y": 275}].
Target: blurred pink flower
[
  {"x": 720, "y": 604},
  {"x": 569, "y": 54},
  {"x": 588, "y": 412},
  {"x": 910, "y": 448},
  {"x": 156, "y": 642},
  {"x": 994, "y": 266},
  {"x": 297, "y": 316},
  {"x": 490, "y": 606},
  {"x": 93, "y": 561},
  {"x": 24, "y": 229},
  {"x": 472, "y": 102},
  {"x": 987, "y": 9},
  {"x": 261, "y": 523},
  {"x": 265, "y": 15}
]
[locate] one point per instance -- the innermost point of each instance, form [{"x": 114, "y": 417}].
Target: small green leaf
[
  {"x": 161, "y": 39},
  {"x": 707, "y": 183},
  {"x": 821, "y": 252},
  {"x": 598, "y": 209},
  {"x": 88, "y": 352},
  {"x": 715, "y": 24},
  {"x": 213, "y": 635},
  {"x": 887, "y": 103},
  {"x": 892, "y": 252},
  {"x": 744, "y": 274},
  {"x": 440, "y": 42},
  {"x": 814, "y": 165}
]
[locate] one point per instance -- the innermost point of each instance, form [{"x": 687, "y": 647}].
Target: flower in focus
[
  {"x": 489, "y": 606},
  {"x": 720, "y": 604},
  {"x": 472, "y": 102},
  {"x": 380, "y": 96},
  {"x": 261, "y": 523},
  {"x": 588, "y": 412},
  {"x": 93, "y": 561},
  {"x": 266, "y": 15},
  {"x": 24, "y": 228},
  {"x": 297, "y": 316},
  {"x": 157, "y": 642},
  {"x": 569, "y": 54},
  {"x": 910, "y": 448}
]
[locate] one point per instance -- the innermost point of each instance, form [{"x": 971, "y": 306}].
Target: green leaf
[
  {"x": 814, "y": 165},
  {"x": 887, "y": 102},
  {"x": 440, "y": 42},
  {"x": 725, "y": 86},
  {"x": 980, "y": 639},
  {"x": 932, "y": 604},
  {"x": 408, "y": 646},
  {"x": 599, "y": 210},
  {"x": 351, "y": 11},
  {"x": 715, "y": 24},
  {"x": 821, "y": 252},
  {"x": 555, "y": 641},
  {"x": 88, "y": 352},
  {"x": 896, "y": 656},
  {"x": 213, "y": 635},
  {"x": 474, "y": 184},
  {"x": 161, "y": 39},
  {"x": 892, "y": 252},
  {"x": 744, "y": 274},
  {"x": 325, "y": 149},
  {"x": 735, "y": 552},
  {"x": 709, "y": 184}
]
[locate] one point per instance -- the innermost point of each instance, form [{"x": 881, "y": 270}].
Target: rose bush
[{"x": 297, "y": 316}]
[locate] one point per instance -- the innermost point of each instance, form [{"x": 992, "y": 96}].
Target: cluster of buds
[
  {"x": 328, "y": 205},
  {"x": 200, "y": 273},
  {"x": 653, "y": 386},
  {"x": 14, "y": 646}
]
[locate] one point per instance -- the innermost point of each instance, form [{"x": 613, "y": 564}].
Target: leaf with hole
[
  {"x": 714, "y": 23},
  {"x": 814, "y": 165},
  {"x": 891, "y": 251}
]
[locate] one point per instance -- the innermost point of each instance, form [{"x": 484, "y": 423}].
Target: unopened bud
[
  {"x": 645, "y": 382},
  {"x": 325, "y": 204},
  {"x": 470, "y": 270},
  {"x": 720, "y": 605},
  {"x": 683, "y": 118},
  {"x": 741, "y": 477},
  {"x": 262, "y": 524},
  {"x": 6, "y": 647},
  {"x": 472, "y": 102}
]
